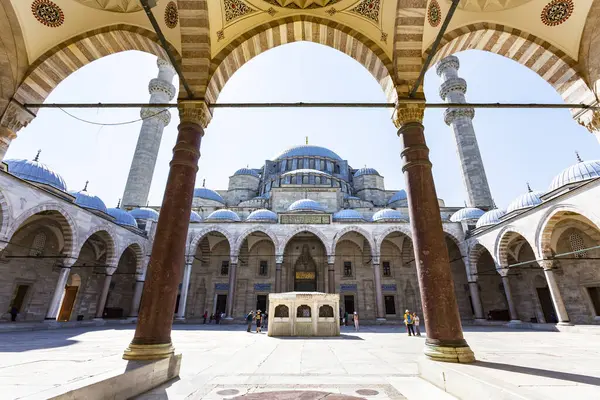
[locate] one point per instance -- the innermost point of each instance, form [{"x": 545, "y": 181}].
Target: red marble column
[
  {"x": 445, "y": 340},
  {"x": 152, "y": 339},
  {"x": 278, "y": 267}
]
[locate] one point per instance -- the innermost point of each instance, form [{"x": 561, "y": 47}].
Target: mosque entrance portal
[{"x": 305, "y": 272}]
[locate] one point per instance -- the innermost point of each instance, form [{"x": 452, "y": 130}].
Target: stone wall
[{"x": 281, "y": 199}]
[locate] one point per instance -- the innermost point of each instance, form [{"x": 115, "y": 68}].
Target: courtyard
[{"x": 222, "y": 362}]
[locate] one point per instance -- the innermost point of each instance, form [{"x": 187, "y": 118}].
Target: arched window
[
  {"x": 282, "y": 311},
  {"x": 337, "y": 168},
  {"x": 326, "y": 311},
  {"x": 311, "y": 179},
  {"x": 577, "y": 244},
  {"x": 305, "y": 179},
  {"x": 311, "y": 163},
  {"x": 289, "y": 165},
  {"x": 37, "y": 246},
  {"x": 303, "y": 311},
  {"x": 294, "y": 179},
  {"x": 317, "y": 180}
]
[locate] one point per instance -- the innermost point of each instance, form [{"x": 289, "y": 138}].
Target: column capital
[
  {"x": 503, "y": 271},
  {"x": 233, "y": 259},
  {"x": 279, "y": 259},
  {"x": 546, "y": 264},
  {"x": 590, "y": 120},
  {"x": 196, "y": 112},
  {"x": 14, "y": 118},
  {"x": 330, "y": 259},
  {"x": 406, "y": 113}
]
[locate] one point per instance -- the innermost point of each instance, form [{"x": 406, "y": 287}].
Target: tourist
[
  {"x": 346, "y": 318},
  {"x": 258, "y": 320},
  {"x": 416, "y": 321},
  {"x": 212, "y": 317},
  {"x": 217, "y": 317},
  {"x": 265, "y": 321},
  {"x": 13, "y": 313},
  {"x": 408, "y": 321},
  {"x": 249, "y": 319},
  {"x": 355, "y": 321},
  {"x": 205, "y": 316}
]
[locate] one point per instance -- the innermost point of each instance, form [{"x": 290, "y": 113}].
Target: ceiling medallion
[
  {"x": 302, "y": 3},
  {"x": 434, "y": 14},
  {"x": 235, "y": 9},
  {"x": 557, "y": 12},
  {"x": 122, "y": 6},
  {"x": 368, "y": 9},
  {"x": 171, "y": 15},
  {"x": 47, "y": 13}
]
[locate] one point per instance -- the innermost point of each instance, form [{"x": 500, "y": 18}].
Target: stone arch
[
  {"x": 474, "y": 254},
  {"x": 59, "y": 62},
  {"x": 462, "y": 246},
  {"x": 380, "y": 237},
  {"x": 66, "y": 221},
  {"x": 549, "y": 62},
  {"x": 138, "y": 250},
  {"x": 13, "y": 54},
  {"x": 199, "y": 235},
  {"x": 240, "y": 240},
  {"x": 505, "y": 236},
  {"x": 356, "y": 229},
  {"x": 5, "y": 213},
  {"x": 305, "y": 228},
  {"x": 107, "y": 234},
  {"x": 300, "y": 28}
]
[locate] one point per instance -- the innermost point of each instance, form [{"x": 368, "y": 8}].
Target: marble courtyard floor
[{"x": 222, "y": 362}]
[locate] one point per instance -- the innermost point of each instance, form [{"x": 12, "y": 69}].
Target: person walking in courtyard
[
  {"x": 249, "y": 319},
  {"x": 356, "y": 321},
  {"x": 258, "y": 321},
  {"x": 416, "y": 321},
  {"x": 217, "y": 317},
  {"x": 13, "y": 313},
  {"x": 205, "y": 316},
  {"x": 346, "y": 318},
  {"x": 265, "y": 321},
  {"x": 408, "y": 321}
]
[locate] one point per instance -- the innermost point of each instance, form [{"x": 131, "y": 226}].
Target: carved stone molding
[
  {"x": 406, "y": 113},
  {"x": 15, "y": 117},
  {"x": 453, "y": 85},
  {"x": 194, "y": 111},
  {"x": 591, "y": 120},
  {"x": 158, "y": 85},
  {"x": 447, "y": 62},
  {"x": 451, "y": 114},
  {"x": 158, "y": 113}
]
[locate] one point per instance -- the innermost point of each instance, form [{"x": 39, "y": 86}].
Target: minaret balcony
[
  {"x": 453, "y": 85},
  {"x": 452, "y": 114}
]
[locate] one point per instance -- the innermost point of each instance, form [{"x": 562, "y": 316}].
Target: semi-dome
[
  {"x": 307, "y": 150},
  {"x": 86, "y": 200},
  {"x": 399, "y": 195},
  {"x": 208, "y": 194},
  {"x": 388, "y": 215},
  {"x": 35, "y": 171},
  {"x": 466, "y": 213},
  {"x": 306, "y": 205},
  {"x": 144, "y": 213},
  {"x": 582, "y": 171},
  {"x": 122, "y": 217},
  {"x": 491, "y": 217},
  {"x": 347, "y": 215},
  {"x": 262, "y": 215},
  {"x": 195, "y": 217},
  {"x": 365, "y": 171},
  {"x": 246, "y": 171},
  {"x": 527, "y": 200},
  {"x": 223, "y": 215}
]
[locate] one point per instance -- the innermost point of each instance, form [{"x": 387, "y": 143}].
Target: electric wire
[{"x": 110, "y": 123}]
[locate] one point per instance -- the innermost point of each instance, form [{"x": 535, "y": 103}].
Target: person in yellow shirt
[{"x": 408, "y": 321}]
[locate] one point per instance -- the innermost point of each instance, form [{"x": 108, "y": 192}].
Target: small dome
[
  {"x": 34, "y": 171},
  {"x": 307, "y": 150},
  {"x": 527, "y": 200},
  {"x": 388, "y": 215},
  {"x": 122, "y": 217},
  {"x": 195, "y": 217},
  {"x": 208, "y": 194},
  {"x": 491, "y": 217},
  {"x": 144, "y": 213},
  {"x": 582, "y": 171},
  {"x": 399, "y": 195},
  {"x": 86, "y": 200},
  {"x": 223, "y": 215},
  {"x": 365, "y": 171},
  {"x": 262, "y": 215},
  {"x": 246, "y": 171},
  {"x": 466, "y": 213},
  {"x": 306, "y": 205},
  {"x": 347, "y": 215}
]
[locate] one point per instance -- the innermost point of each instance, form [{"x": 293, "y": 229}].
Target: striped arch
[
  {"x": 560, "y": 213},
  {"x": 106, "y": 233},
  {"x": 294, "y": 29},
  {"x": 196, "y": 236},
  {"x": 195, "y": 44},
  {"x": 5, "y": 213},
  {"x": 240, "y": 240},
  {"x": 59, "y": 62},
  {"x": 552, "y": 64},
  {"x": 67, "y": 224},
  {"x": 138, "y": 250},
  {"x": 380, "y": 237},
  {"x": 506, "y": 235},
  {"x": 305, "y": 228},
  {"x": 474, "y": 255},
  {"x": 356, "y": 229}
]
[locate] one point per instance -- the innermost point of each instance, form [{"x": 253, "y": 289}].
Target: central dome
[
  {"x": 308, "y": 150},
  {"x": 299, "y": 4}
]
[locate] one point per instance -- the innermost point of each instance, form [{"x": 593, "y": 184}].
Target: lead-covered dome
[
  {"x": 35, "y": 171},
  {"x": 246, "y": 171},
  {"x": 527, "y": 200},
  {"x": 195, "y": 217},
  {"x": 366, "y": 171},
  {"x": 307, "y": 150},
  {"x": 223, "y": 215},
  {"x": 388, "y": 215},
  {"x": 86, "y": 200},
  {"x": 208, "y": 194},
  {"x": 144, "y": 213},
  {"x": 122, "y": 217},
  {"x": 466, "y": 213},
  {"x": 400, "y": 195},
  {"x": 491, "y": 217},
  {"x": 347, "y": 215},
  {"x": 582, "y": 171},
  {"x": 262, "y": 215},
  {"x": 306, "y": 205}
]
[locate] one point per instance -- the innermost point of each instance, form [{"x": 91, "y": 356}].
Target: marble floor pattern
[{"x": 225, "y": 362}]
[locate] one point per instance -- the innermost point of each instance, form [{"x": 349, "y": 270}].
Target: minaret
[
  {"x": 144, "y": 159},
  {"x": 453, "y": 90}
]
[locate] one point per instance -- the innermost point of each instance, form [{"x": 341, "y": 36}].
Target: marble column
[
  {"x": 59, "y": 290},
  {"x": 137, "y": 297},
  {"x": 152, "y": 339},
  {"x": 559, "y": 304},
  {"x": 378, "y": 292},
  {"x": 185, "y": 287},
  {"x": 476, "y": 299},
  {"x": 103, "y": 296},
  {"x": 278, "y": 267},
  {"x": 331, "y": 274},
  {"x": 14, "y": 118},
  {"x": 512, "y": 310},
  {"x": 231, "y": 293},
  {"x": 445, "y": 341}
]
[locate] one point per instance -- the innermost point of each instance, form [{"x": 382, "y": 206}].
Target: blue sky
[{"x": 517, "y": 146}]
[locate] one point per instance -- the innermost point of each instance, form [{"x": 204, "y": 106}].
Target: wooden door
[{"x": 68, "y": 302}]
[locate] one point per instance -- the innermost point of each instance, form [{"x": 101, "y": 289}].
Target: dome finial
[
  {"x": 529, "y": 188},
  {"x": 204, "y": 182},
  {"x": 119, "y": 204},
  {"x": 37, "y": 156},
  {"x": 465, "y": 204},
  {"x": 306, "y": 139},
  {"x": 85, "y": 187},
  {"x": 578, "y": 157}
]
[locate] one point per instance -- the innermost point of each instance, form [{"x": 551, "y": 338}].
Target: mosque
[{"x": 305, "y": 220}]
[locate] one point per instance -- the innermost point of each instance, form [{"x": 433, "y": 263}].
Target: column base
[
  {"x": 148, "y": 351},
  {"x": 565, "y": 323},
  {"x": 479, "y": 320},
  {"x": 180, "y": 318},
  {"x": 514, "y": 322},
  {"x": 380, "y": 321},
  {"x": 439, "y": 352}
]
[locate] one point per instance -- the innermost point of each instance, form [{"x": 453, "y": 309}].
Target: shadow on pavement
[{"x": 565, "y": 376}]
